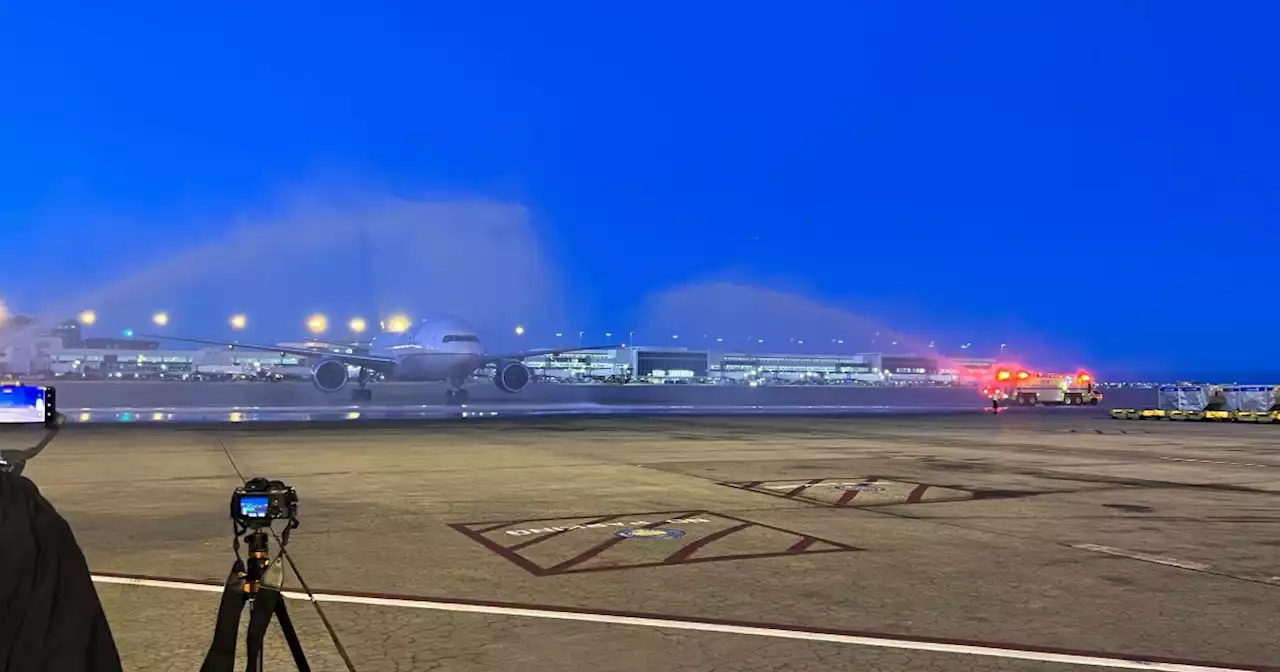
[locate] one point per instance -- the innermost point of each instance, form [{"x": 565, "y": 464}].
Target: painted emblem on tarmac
[
  {"x": 860, "y": 487},
  {"x": 649, "y": 533}
]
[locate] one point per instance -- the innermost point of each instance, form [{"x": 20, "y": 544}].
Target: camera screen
[
  {"x": 253, "y": 507},
  {"x": 22, "y": 404}
]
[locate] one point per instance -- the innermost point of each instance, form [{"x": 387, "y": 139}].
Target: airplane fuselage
[
  {"x": 435, "y": 367},
  {"x": 432, "y": 350}
]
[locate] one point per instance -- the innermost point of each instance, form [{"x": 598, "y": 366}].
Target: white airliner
[{"x": 444, "y": 349}]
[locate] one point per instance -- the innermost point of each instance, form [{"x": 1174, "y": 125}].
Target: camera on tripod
[
  {"x": 261, "y": 502},
  {"x": 255, "y": 581}
]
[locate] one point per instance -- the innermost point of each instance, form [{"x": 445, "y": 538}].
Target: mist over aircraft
[{"x": 440, "y": 349}]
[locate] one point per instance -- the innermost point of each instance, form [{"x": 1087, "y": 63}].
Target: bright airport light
[
  {"x": 160, "y": 319},
  {"x": 238, "y": 321},
  {"x": 519, "y": 330},
  {"x": 317, "y": 324},
  {"x": 397, "y": 323},
  {"x": 357, "y": 325},
  {"x": 88, "y": 317}
]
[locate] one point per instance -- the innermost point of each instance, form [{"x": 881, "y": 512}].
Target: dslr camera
[{"x": 262, "y": 501}]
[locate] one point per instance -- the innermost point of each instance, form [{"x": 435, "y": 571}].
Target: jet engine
[
  {"x": 512, "y": 376},
  {"x": 329, "y": 375}
]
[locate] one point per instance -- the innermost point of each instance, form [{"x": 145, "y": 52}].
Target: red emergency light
[
  {"x": 1084, "y": 377},
  {"x": 1003, "y": 375},
  {"x": 1023, "y": 375}
]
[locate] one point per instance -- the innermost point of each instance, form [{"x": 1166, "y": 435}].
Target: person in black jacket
[{"x": 50, "y": 617}]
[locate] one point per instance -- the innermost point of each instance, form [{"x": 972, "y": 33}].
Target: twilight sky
[{"x": 1093, "y": 183}]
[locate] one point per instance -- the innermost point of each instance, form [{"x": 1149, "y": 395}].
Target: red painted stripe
[
  {"x": 804, "y": 487},
  {"x": 917, "y": 494},
  {"x": 688, "y": 551},
  {"x": 602, "y": 547},
  {"x": 848, "y": 496},
  {"x": 500, "y": 550},
  {"x": 800, "y": 546}
]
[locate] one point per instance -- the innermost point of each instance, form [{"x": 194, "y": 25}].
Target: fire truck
[{"x": 1026, "y": 388}]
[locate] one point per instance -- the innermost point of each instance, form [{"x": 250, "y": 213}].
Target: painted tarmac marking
[
  {"x": 1234, "y": 464},
  {"x": 491, "y": 535},
  {"x": 866, "y": 639},
  {"x": 875, "y": 491},
  {"x": 691, "y": 548},
  {"x": 800, "y": 488},
  {"x": 917, "y": 494},
  {"x": 600, "y": 548},
  {"x": 1145, "y": 557}
]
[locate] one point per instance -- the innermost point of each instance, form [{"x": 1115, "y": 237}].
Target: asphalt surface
[{"x": 972, "y": 542}]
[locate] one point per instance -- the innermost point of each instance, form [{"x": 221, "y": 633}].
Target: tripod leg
[
  {"x": 291, "y": 636},
  {"x": 222, "y": 653},
  {"x": 259, "y": 618}
]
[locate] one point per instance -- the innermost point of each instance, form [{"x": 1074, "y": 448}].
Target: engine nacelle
[
  {"x": 512, "y": 376},
  {"x": 329, "y": 375}
]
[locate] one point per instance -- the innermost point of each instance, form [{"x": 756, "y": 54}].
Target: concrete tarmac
[{"x": 1023, "y": 541}]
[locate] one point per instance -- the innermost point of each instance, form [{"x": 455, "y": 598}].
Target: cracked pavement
[{"x": 1013, "y": 569}]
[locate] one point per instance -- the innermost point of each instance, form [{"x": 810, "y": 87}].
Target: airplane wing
[
  {"x": 373, "y": 362},
  {"x": 494, "y": 358}
]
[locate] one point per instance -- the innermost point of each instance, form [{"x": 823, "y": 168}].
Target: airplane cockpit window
[{"x": 461, "y": 338}]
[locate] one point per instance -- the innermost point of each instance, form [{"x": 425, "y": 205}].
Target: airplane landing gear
[
  {"x": 362, "y": 393},
  {"x": 456, "y": 395}
]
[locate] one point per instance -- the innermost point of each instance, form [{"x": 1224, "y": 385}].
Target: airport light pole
[
  {"x": 87, "y": 318},
  {"x": 357, "y": 325},
  {"x": 317, "y": 324},
  {"x": 238, "y": 321},
  {"x": 160, "y": 319},
  {"x": 397, "y": 323}
]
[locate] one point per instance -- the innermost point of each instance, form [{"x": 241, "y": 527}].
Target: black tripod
[{"x": 258, "y": 586}]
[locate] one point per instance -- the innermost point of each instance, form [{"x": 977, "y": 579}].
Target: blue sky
[{"x": 1081, "y": 180}]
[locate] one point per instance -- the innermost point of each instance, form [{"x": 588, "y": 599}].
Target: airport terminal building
[
  {"x": 66, "y": 351},
  {"x": 675, "y": 365}
]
